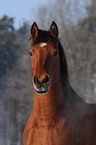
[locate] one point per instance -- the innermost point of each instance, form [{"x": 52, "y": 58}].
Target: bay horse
[{"x": 59, "y": 116}]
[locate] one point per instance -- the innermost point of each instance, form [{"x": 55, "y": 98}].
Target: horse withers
[{"x": 59, "y": 116}]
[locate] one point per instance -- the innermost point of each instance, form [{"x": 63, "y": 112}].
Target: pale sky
[
  {"x": 23, "y": 10},
  {"x": 20, "y": 9}
]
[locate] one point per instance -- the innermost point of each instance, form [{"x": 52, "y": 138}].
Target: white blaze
[{"x": 43, "y": 44}]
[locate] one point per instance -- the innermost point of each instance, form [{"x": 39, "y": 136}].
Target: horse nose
[
  {"x": 36, "y": 81},
  {"x": 44, "y": 80}
]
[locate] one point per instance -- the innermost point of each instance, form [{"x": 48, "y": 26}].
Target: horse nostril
[
  {"x": 46, "y": 79},
  {"x": 36, "y": 81}
]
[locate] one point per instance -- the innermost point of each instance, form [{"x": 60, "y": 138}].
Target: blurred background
[{"x": 76, "y": 20}]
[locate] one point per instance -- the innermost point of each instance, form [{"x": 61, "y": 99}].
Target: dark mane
[
  {"x": 63, "y": 63},
  {"x": 43, "y": 36},
  {"x": 69, "y": 92}
]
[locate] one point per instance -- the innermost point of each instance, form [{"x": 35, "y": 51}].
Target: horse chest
[
  {"x": 53, "y": 135},
  {"x": 39, "y": 136},
  {"x": 42, "y": 136}
]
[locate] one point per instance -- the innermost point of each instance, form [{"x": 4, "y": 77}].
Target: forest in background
[{"x": 16, "y": 91}]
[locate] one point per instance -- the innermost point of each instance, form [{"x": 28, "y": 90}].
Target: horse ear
[
  {"x": 34, "y": 31},
  {"x": 54, "y": 30}
]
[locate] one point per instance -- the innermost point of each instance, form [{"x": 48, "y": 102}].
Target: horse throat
[{"x": 48, "y": 105}]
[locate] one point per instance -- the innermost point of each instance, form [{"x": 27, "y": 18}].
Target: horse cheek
[{"x": 33, "y": 67}]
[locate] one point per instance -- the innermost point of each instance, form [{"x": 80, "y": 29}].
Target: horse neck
[{"x": 47, "y": 105}]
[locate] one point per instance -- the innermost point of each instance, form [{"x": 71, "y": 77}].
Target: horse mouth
[{"x": 41, "y": 90}]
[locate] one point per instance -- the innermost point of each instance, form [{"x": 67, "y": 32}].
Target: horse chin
[{"x": 42, "y": 92}]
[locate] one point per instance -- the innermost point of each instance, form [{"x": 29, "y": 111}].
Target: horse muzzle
[{"x": 41, "y": 86}]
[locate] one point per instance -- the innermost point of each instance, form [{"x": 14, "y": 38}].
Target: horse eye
[
  {"x": 30, "y": 53},
  {"x": 55, "y": 53}
]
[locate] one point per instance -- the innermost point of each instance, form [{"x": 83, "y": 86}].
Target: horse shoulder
[{"x": 29, "y": 129}]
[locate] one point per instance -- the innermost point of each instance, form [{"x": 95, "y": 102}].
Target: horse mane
[
  {"x": 43, "y": 36},
  {"x": 63, "y": 64},
  {"x": 70, "y": 94}
]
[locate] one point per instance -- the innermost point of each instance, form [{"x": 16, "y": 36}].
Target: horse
[{"x": 59, "y": 116}]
